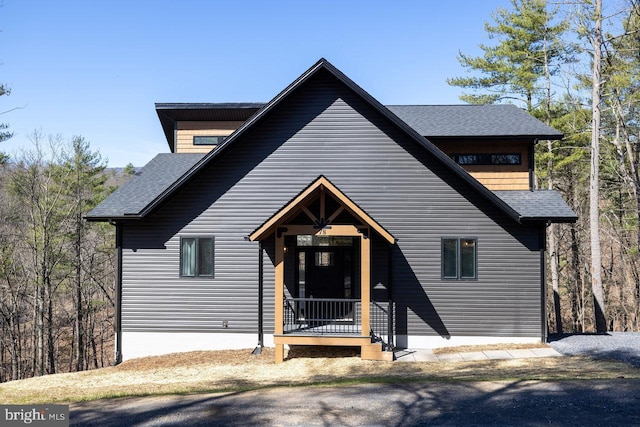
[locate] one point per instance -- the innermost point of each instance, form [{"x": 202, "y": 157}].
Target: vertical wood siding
[{"x": 324, "y": 129}]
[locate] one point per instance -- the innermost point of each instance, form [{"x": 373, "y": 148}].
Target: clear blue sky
[{"x": 96, "y": 68}]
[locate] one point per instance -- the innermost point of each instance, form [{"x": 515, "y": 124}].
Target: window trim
[
  {"x": 219, "y": 138},
  {"x": 196, "y": 274},
  {"x": 458, "y": 259}
]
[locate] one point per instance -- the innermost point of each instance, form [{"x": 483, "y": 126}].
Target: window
[
  {"x": 208, "y": 140},
  {"x": 488, "y": 159},
  {"x": 324, "y": 259},
  {"x": 459, "y": 258},
  {"x": 196, "y": 257}
]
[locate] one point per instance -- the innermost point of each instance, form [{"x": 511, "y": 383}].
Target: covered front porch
[{"x": 323, "y": 285}]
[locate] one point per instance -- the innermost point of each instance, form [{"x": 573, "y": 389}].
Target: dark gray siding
[{"x": 325, "y": 130}]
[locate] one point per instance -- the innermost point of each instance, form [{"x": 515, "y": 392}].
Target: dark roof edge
[
  {"x": 206, "y": 105},
  {"x": 537, "y": 137},
  {"x": 168, "y": 133},
  {"x": 111, "y": 218},
  {"x": 550, "y": 219},
  {"x": 324, "y": 64}
]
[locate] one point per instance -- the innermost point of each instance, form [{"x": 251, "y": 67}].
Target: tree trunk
[
  {"x": 79, "y": 332},
  {"x": 594, "y": 179},
  {"x": 51, "y": 355}
]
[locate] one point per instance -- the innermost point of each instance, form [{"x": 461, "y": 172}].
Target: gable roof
[
  {"x": 499, "y": 120},
  {"x": 178, "y": 176},
  {"x": 322, "y": 183}
]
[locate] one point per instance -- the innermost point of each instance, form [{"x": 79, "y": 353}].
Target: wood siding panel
[
  {"x": 325, "y": 130},
  {"x": 503, "y": 180},
  {"x": 186, "y": 130},
  {"x": 494, "y": 177}
]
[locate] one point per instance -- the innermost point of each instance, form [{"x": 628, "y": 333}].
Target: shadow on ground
[{"x": 611, "y": 402}]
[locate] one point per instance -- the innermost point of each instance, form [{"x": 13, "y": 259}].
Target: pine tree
[
  {"x": 83, "y": 177},
  {"x": 514, "y": 69}
]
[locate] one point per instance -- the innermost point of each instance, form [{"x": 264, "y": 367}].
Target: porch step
[
  {"x": 374, "y": 352},
  {"x": 346, "y": 340}
]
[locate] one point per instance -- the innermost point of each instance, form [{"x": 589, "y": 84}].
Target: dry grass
[
  {"x": 491, "y": 347},
  {"x": 212, "y": 371}
]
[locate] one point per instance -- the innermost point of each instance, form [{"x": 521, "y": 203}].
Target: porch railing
[
  {"x": 331, "y": 316},
  {"x": 382, "y": 323}
]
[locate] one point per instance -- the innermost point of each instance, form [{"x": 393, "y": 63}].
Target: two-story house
[{"x": 323, "y": 217}]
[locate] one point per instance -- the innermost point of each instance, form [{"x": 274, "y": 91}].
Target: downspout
[
  {"x": 544, "y": 333},
  {"x": 258, "y": 349},
  {"x": 391, "y": 327},
  {"x": 118, "y": 296},
  {"x": 532, "y": 180}
]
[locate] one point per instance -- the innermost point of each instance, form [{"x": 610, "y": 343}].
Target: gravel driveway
[{"x": 624, "y": 346}]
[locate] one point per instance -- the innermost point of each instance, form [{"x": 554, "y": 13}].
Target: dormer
[
  {"x": 493, "y": 143},
  {"x": 200, "y": 127}
]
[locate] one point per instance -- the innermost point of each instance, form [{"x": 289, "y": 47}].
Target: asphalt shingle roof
[
  {"x": 147, "y": 184},
  {"x": 164, "y": 169},
  {"x": 472, "y": 120},
  {"x": 538, "y": 205}
]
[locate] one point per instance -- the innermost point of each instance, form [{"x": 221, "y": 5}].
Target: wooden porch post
[
  {"x": 279, "y": 295},
  {"x": 365, "y": 281}
]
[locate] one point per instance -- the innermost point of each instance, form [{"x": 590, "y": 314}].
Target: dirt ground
[{"x": 239, "y": 370}]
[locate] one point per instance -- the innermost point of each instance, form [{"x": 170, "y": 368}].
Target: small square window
[
  {"x": 196, "y": 256},
  {"x": 459, "y": 260}
]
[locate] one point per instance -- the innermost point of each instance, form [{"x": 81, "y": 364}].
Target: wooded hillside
[{"x": 56, "y": 269}]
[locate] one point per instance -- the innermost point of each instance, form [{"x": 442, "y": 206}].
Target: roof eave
[
  {"x": 112, "y": 218},
  {"x": 551, "y": 219},
  {"x": 532, "y": 137}
]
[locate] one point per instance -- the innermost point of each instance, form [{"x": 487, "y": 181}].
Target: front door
[
  {"x": 325, "y": 279},
  {"x": 328, "y": 271}
]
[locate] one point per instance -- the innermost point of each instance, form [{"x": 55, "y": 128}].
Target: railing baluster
[
  {"x": 321, "y": 316},
  {"x": 326, "y": 316}
]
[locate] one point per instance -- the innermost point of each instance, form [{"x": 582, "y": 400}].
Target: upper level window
[
  {"x": 208, "y": 140},
  {"x": 196, "y": 256},
  {"x": 459, "y": 260},
  {"x": 488, "y": 158}
]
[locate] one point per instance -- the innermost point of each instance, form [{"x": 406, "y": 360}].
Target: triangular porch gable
[{"x": 323, "y": 219}]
